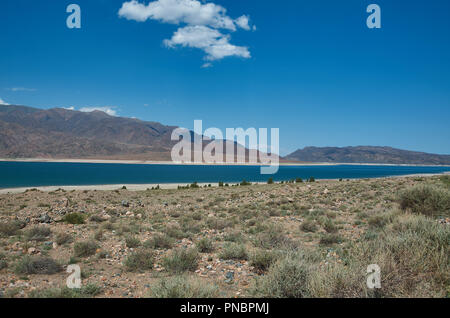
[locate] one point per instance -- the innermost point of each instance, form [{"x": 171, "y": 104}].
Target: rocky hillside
[
  {"x": 367, "y": 154},
  {"x": 58, "y": 133}
]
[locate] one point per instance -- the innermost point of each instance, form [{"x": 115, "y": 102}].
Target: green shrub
[
  {"x": 89, "y": 290},
  {"x": 63, "y": 238},
  {"x": 427, "y": 200},
  {"x": 74, "y": 218},
  {"x": 183, "y": 287},
  {"x": 263, "y": 259},
  {"x": 38, "y": 233},
  {"x": 132, "y": 242},
  {"x": 159, "y": 241},
  {"x": 308, "y": 226},
  {"x": 9, "y": 228},
  {"x": 218, "y": 223},
  {"x": 37, "y": 265},
  {"x": 329, "y": 226},
  {"x": 140, "y": 260},
  {"x": 445, "y": 180},
  {"x": 272, "y": 237},
  {"x": 270, "y": 181},
  {"x": 175, "y": 231},
  {"x": 181, "y": 260},
  {"x": 3, "y": 261},
  {"x": 329, "y": 239},
  {"x": 85, "y": 249},
  {"x": 380, "y": 220},
  {"x": 287, "y": 278},
  {"x": 205, "y": 245},
  {"x": 233, "y": 251}
]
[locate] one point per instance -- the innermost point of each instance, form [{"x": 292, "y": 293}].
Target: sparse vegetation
[
  {"x": 37, "y": 265},
  {"x": 85, "y": 249},
  {"x": 264, "y": 240},
  {"x": 74, "y": 218},
  {"x": 183, "y": 287},
  {"x": 182, "y": 260},
  {"x": 233, "y": 251},
  {"x": 141, "y": 260},
  {"x": 427, "y": 200},
  {"x": 38, "y": 233}
]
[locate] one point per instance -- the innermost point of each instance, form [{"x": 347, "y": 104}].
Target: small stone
[
  {"x": 125, "y": 203},
  {"x": 45, "y": 218},
  {"x": 32, "y": 250}
]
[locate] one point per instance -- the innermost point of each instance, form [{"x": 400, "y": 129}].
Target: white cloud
[
  {"x": 21, "y": 89},
  {"x": 2, "y": 102},
  {"x": 214, "y": 43},
  {"x": 69, "y": 108},
  {"x": 243, "y": 22},
  {"x": 191, "y": 12},
  {"x": 107, "y": 109},
  {"x": 202, "y": 19}
]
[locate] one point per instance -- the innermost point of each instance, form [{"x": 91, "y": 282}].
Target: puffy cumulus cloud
[
  {"x": 106, "y": 109},
  {"x": 2, "y": 102},
  {"x": 191, "y": 12},
  {"x": 214, "y": 43},
  {"x": 203, "y": 22},
  {"x": 243, "y": 22}
]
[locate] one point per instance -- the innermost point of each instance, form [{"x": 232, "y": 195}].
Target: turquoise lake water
[{"x": 33, "y": 174}]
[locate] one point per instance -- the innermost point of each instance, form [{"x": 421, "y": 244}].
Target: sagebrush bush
[
  {"x": 85, "y": 249},
  {"x": 272, "y": 237},
  {"x": 205, "y": 245},
  {"x": 218, "y": 223},
  {"x": 181, "y": 260},
  {"x": 132, "y": 242},
  {"x": 89, "y": 290},
  {"x": 329, "y": 226},
  {"x": 329, "y": 239},
  {"x": 413, "y": 255},
  {"x": 38, "y": 233},
  {"x": 183, "y": 287},
  {"x": 287, "y": 278},
  {"x": 380, "y": 220},
  {"x": 159, "y": 241},
  {"x": 263, "y": 259},
  {"x": 140, "y": 260},
  {"x": 63, "y": 238},
  {"x": 308, "y": 226},
  {"x": 74, "y": 218},
  {"x": 233, "y": 251},
  {"x": 9, "y": 228},
  {"x": 426, "y": 199},
  {"x": 3, "y": 261},
  {"x": 37, "y": 265}
]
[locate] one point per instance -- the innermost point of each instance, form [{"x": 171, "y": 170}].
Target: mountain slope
[
  {"x": 58, "y": 133},
  {"x": 27, "y": 132},
  {"x": 367, "y": 154}
]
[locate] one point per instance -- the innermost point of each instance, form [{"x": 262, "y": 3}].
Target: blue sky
[{"x": 311, "y": 68}]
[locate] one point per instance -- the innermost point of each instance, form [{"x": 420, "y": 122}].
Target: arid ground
[{"x": 295, "y": 239}]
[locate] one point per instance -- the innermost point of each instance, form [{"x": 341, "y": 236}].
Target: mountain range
[
  {"x": 59, "y": 133},
  {"x": 367, "y": 154}
]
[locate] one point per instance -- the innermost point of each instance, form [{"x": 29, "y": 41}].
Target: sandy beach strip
[{"x": 168, "y": 186}]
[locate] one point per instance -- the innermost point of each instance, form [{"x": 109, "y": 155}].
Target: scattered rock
[{"x": 45, "y": 218}]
